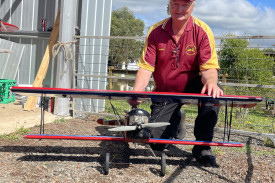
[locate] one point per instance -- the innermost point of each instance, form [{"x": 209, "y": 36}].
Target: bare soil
[
  {"x": 25, "y": 160},
  {"x": 13, "y": 117}
]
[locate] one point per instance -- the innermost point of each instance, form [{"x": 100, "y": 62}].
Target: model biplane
[{"x": 137, "y": 119}]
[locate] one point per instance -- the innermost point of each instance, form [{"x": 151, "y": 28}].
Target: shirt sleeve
[
  {"x": 148, "y": 57},
  {"x": 208, "y": 58}
]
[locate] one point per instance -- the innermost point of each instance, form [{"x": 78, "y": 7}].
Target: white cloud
[
  {"x": 151, "y": 11},
  {"x": 223, "y": 16},
  {"x": 236, "y": 16}
]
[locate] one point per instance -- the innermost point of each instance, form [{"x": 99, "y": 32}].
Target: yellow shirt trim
[
  {"x": 142, "y": 62},
  {"x": 212, "y": 63}
]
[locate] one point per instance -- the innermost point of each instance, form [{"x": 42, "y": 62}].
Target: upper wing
[{"x": 186, "y": 98}]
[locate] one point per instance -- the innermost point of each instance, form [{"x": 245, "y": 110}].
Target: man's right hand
[
  {"x": 142, "y": 79},
  {"x": 134, "y": 102}
]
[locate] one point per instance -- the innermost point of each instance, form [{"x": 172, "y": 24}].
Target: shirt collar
[{"x": 167, "y": 25}]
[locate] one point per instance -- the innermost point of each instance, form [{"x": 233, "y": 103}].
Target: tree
[
  {"x": 124, "y": 23},
  {"x": 244, "y": 64},
  {"x": 271, "y": 52}
]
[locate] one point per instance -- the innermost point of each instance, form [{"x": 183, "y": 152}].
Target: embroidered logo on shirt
[
  {"x": 191, "y": 49},
  {"x": 161, "y": 49}
]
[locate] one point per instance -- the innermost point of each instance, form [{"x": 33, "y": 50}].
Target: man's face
[{"x": 180, "y": 9}]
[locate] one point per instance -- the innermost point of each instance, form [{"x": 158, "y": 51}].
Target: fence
[{"x": 251, "y": 73}]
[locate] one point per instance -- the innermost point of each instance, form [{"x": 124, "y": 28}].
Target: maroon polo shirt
[{"x": 175, "y": 64}]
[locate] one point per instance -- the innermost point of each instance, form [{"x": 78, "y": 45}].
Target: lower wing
[{"x": 122, "y": 139}]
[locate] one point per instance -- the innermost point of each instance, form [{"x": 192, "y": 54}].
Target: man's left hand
[
  {"x": 212, "y": 89},
  {"x": 210, "y": 83}
]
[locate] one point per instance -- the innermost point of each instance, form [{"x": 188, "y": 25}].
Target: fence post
[{"x": 110, "y": 80}]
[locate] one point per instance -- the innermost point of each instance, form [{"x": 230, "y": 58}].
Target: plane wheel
[
  {"x": 107, "y": 164},
  {"x": 163, "y": 164}
]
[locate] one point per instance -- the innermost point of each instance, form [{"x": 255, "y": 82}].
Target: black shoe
[
  {"x": 205, "y": 156},
  {"x": 158, "y": 147}
]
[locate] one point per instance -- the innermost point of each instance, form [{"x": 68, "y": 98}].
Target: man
[{"x": 180, "y": 53}]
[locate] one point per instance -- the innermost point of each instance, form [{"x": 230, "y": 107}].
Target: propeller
[
  {"x": 123, "y": 128},
  {"x": 155, "y": 125},
  {"x": 138, "y": 126}
]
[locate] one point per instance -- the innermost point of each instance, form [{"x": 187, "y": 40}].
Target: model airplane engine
[{"x": 138, "y": 117}]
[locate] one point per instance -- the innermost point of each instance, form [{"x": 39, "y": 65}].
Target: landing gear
[
  {"x": 107, "y": 164},
  {"x": 163, "y": 164},
  {"x": 162, "y": 171}
]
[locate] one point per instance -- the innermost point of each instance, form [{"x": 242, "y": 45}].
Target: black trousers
[{"x": 169, "y": 111}]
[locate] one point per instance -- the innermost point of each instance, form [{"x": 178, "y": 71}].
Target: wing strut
[
  {"x": 227, "y": 124},
  {"x": 116, "y": 113},
  {"x": 42, "y": 120}
]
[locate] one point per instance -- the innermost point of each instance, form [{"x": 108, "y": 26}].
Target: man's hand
[
  {"x": 142, "y": 80},
  {"x": 212, "y": 89},
  {"x": 134, "y": 102},
  {"x": 210, "y": 81}
]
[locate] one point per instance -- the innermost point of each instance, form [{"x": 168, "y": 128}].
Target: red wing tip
[{"x": 100, "y": 121}]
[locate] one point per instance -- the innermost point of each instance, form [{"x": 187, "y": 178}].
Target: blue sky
[
  {"x": 268, "y": 3},
  {"x": 241, "y": 17}
]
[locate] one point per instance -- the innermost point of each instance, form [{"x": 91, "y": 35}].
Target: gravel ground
[{"x": 25, "y": 160}]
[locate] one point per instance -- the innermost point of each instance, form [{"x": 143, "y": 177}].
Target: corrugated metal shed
[
  {"x": 11, "y": 59},
  {"x": 94, "y": 19},
  {"x": 27, "y": 15},
  {"x": 93, "y": 53}
]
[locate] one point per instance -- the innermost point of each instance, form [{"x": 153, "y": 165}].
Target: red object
[
  {"x": 101, "y": 121},
  {"x": 52, "y": 104},
  {"x": 189, "y": 142},
  {"x": 43, "y": 25},
  {"x": 6, "y": 27},
  {"x": 73, "y": 137},
  {"x": 121, "y": 139}
]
